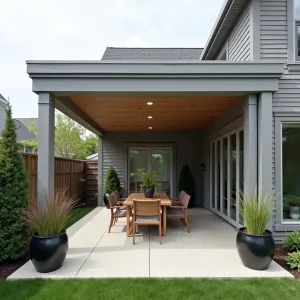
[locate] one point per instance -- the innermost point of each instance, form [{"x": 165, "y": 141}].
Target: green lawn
[
  {"x": 154, "y": 289},
  {"x": 78, "y": 213}
]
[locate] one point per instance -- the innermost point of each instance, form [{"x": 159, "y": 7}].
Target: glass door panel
[
  {"x": 212, "y": 183},
  {"x": 241, "y": 168},
  {"x": 233, "y": 177},
  {"x": 224, "y": 200},
  {"x": 161, "y": 160},
  {"x": 218, "y": 176},
  {"x": 138, "y": 159}
]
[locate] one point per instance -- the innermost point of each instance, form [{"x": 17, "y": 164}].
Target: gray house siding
[
  {"x": 273, "y": 30},
  {"x": 239, "y": 42},
  {"x": 274, "y": 44},
  {"x": 186, "y": 150}
]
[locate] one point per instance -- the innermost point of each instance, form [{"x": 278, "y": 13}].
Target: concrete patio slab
[{"x": 207, "y": 251}]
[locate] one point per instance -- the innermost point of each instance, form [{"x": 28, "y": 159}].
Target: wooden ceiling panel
[{"x": 168, "y": 113}]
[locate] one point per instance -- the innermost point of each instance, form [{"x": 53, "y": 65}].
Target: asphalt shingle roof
[{"x": 112, "y": 53}]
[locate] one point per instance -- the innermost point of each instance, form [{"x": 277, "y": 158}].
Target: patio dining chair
[
  {"x": 116, "y": 211},
  {"x": 178, "y": 201},
  {"x": 118, "y": 197},
  {"x": 146, "y": 212},
  {"x": 180, "y": 212}
]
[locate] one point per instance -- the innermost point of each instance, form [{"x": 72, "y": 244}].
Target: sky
[{"x": 71, "y": 30}]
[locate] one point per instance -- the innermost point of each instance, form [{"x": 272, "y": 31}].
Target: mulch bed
[
  {"x": 8, "y": 267},
  {"x": 280, "y": 253}
]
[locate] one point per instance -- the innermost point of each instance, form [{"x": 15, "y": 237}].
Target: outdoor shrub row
[{"x": 292, "y": 242}]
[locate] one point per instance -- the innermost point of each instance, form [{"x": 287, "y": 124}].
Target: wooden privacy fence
[
  {"x": 91, "y": 187},
  {"x": 69, "y": 174}
]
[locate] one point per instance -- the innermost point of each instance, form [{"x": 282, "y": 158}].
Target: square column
[
  {"x": 100, "y": 172},
  {"x": 250, "y": 143},
  {"x": 46, "y": 128}
]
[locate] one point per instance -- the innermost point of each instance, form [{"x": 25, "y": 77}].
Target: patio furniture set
[{"x": 139, "y": 210}]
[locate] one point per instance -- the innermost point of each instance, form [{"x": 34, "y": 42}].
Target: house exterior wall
[
  {"x": 186, "y": 150},
  {"x": 272, "y": 38},
  {"x": 239, "y": 43}
]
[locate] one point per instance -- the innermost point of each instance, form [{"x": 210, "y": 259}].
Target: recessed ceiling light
[
  {"x": 149, "y": 103},
  {"x": 150, "y": 127},
  {"x": 150, "y": 117}
]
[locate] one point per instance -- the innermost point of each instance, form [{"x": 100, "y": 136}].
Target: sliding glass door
[
  {"x": 157, "y": 159},
  {"x": 226, "y": 175}
]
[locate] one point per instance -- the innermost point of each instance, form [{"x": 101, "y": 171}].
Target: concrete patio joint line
[{"x": 90, "y": 253}]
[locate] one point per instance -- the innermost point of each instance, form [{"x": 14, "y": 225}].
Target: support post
[
  {"x": 46, "y": 127},
  {"x": 265, "y": 144},
  {"x": 100, "y": 172},
  {"x": 250, "y": 143}
]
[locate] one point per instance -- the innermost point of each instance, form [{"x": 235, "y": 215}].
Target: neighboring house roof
[
  {"x": 112, "y": 53},
  {"x": 93, "y": 157},
  {"x": 28, "y": 121},
  {"x": 22, "y": 124}
]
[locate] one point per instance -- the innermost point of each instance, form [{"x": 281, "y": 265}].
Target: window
[
  {"x": 290, "y": 142},
  {"x": 297, "y": 27}
]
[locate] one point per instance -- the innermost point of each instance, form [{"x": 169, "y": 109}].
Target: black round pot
[
  {"x": 105, "y": 200},
  {"x": 48, "y": 254},
  {"x": 149, "y": 193},
  {"x": 255, "y": 251}
]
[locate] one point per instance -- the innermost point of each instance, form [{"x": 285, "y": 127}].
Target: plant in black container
[
  {"x": 149, "y": 182},
  {"x": 49, "y": 243},
  {"x": 186, "y": 183},
  {"x": 14, "y": 235},
  {"x": 112, "y": 184},
  {"x": 255, "y": 244}
]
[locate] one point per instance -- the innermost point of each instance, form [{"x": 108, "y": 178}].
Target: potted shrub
[
  {"x": 294, "y": 210},
  {"x": 149, "y": 182},
  {"x": 255, "y": 244},
  {"x": 186, "y": 183},
  {"x": 112, "y": 184},
  {"x": 49, "y": 242}
]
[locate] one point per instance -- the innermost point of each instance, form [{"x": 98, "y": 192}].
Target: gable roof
[
  {"x": 112, "y": 53},
  {"x": 229, "y": 14}
]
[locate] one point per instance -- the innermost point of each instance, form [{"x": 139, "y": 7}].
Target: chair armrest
[
  {"x": 174, "y": 199},
  {"x": 120, "y": 202},
  {"x": 122, "y": 199},
  {"x": 177, "y": 207}
]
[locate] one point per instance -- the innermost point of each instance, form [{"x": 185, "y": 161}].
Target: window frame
[{"x": 280, "y": 223}]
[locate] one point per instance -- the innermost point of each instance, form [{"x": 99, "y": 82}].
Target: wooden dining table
[{"x": 165, "y": 201}]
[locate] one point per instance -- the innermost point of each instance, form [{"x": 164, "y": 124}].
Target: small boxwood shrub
[
  {"x": 292, "y": 241},
  {"x": 293, "y": 259}
]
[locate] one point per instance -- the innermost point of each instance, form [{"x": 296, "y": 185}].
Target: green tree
[
  {"x": 14, "y": 234},
  {"x": 89, "y": 146},
  {"x": 34, "y": 142},
  {"x": 68, "y": 137},
  {"x": 112, "y": 181}
]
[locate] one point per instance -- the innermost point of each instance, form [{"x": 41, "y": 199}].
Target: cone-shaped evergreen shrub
[
  {"x": 112, "y": 181},
  {"x": 186, "y": 183},
  {"x": 14, "y": 233}
]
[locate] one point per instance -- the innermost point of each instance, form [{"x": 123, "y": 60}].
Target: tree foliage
[
  {"x": 14, "y": 234},
  {"x": 112, "y": 181}
]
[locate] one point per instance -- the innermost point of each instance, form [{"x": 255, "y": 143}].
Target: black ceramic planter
[
  {"x": 105, "y": 200},
  {"x": 48, "y": 254},
  {"x": 255, "y": 251},
  {"x": 149, "y": 193}
]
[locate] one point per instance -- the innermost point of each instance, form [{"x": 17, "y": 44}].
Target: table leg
[
  {"x": 165, "y": 220},
  {"x": 127, "y": 220}
]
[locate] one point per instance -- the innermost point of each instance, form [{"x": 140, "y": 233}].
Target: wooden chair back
[
  {"x": 111, "y": 200},
  {"x": 116, "y": 195},
  {"x": 181, "y": 195},
  {"x": 186, "y": 200},
  {"x": 146, "y": 208}
]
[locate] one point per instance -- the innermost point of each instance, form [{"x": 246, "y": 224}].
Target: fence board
[{"x": 68, "y": 174}]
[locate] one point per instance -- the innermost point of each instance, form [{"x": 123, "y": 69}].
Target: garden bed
[{"x": 281, "y": 253}]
